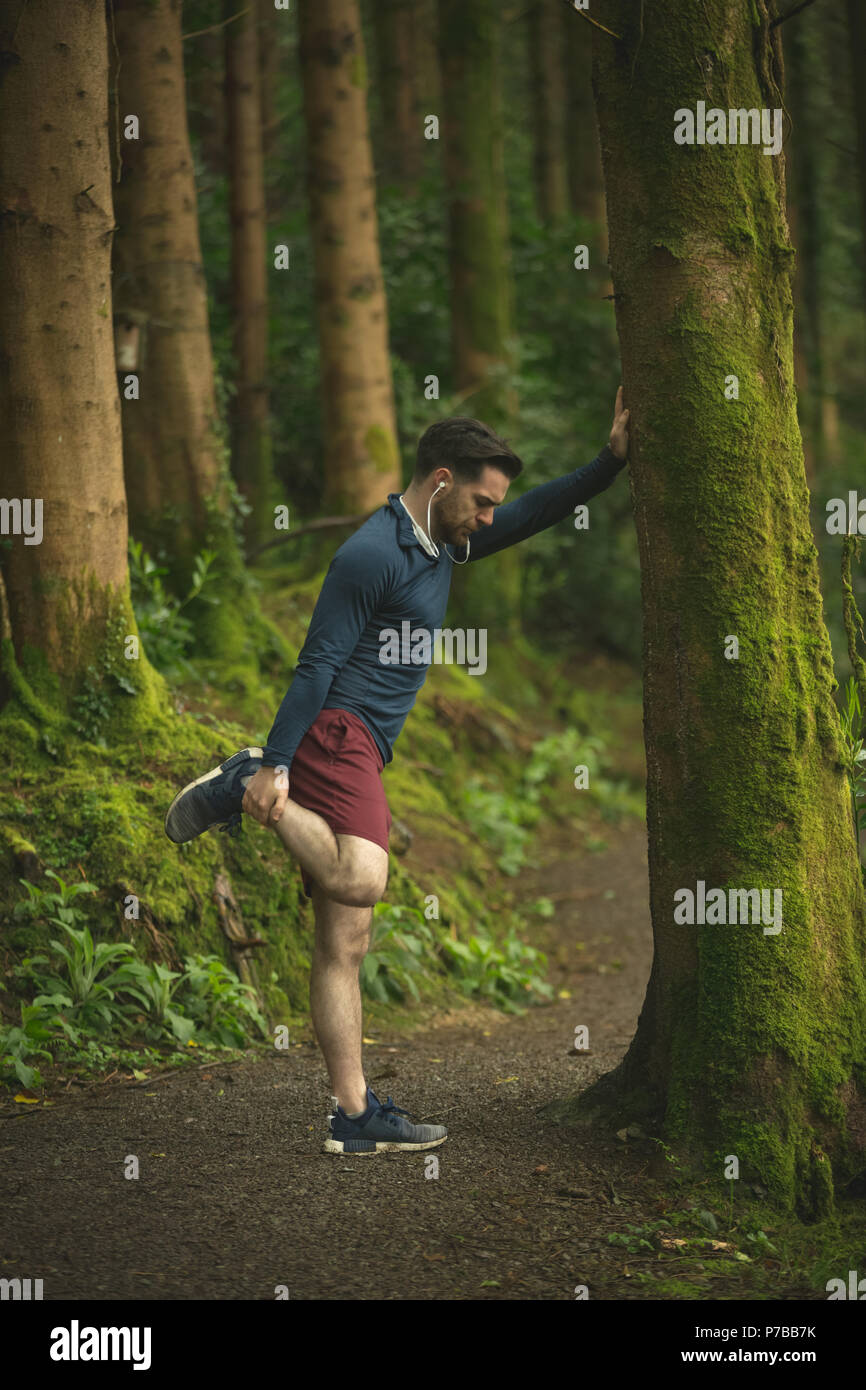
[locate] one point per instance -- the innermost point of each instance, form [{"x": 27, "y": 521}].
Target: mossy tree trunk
[
  {"x": 177, "y": 482},
  {"x": 549, "y": 110},
  {"x": 250, "y": 431},
  {"x": 481, "y": 286},
  {"x": 172, "y": 452},
  {"x": 808, "y": 232},
  {"x": 750, "y": 1043},
  {"x": 394, "y": 23},
  {"x": 481, "y": 289},
  {"x": 470, "y": 40},
  {"x": 362, "y": 462},
  {"x": 64, "y": 599}
]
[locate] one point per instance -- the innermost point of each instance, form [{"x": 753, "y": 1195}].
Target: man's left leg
[
  {"x": 361, "y": 1124},
  {"x": 342, "y": 938}
]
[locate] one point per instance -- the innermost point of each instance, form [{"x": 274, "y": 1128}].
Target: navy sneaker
[
  {"x": 214, "y": 799},
  {"x": 379, "y": 1130}
]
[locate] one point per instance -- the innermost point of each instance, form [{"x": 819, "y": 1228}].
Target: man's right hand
[{"x": 266, "y": 796}]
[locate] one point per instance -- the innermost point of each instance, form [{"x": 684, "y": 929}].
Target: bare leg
[
  {"x": 352, "y": 870},
  {"x": 342, "y": 938}
]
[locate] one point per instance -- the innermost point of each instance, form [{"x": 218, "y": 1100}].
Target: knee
[{"x": 361, "y": 889}]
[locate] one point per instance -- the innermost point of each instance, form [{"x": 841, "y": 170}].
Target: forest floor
[{"x": 235, "y": 1197}]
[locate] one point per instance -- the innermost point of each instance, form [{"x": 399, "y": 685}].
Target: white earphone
[{"x": 450, "y": 557}]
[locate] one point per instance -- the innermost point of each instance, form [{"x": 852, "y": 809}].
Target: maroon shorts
[{"x": 336, "y": 772}]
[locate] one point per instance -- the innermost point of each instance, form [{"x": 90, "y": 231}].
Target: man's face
[{"x": 466, "y": 507}]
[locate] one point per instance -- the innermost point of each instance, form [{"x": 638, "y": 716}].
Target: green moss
[
  {"x": 382, "y": 448},
  {"x": 358, "y": 70}
]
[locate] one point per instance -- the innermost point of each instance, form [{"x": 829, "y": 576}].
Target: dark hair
[{"x": 465, "y": 446}]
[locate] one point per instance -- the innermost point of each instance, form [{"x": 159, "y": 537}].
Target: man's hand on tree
[
  {"x": 619, "y": 429},
  {"x": 266, "y": 796}
]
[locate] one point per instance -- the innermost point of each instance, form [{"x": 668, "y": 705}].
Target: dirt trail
[{"x": 235, "y": 1198}]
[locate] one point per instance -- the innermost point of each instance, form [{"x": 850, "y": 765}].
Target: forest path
[{"x": 235, "y": 1198}]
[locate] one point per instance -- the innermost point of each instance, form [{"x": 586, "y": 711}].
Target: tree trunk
[
  {"x": 807, "y": 232},
  {"x": 64, "y": 600},
  {"x": 549, "y": 110},
  {"x": 750, "y": 1043},
  {"x": 482, "y": 296},
  {"x": 585, "y": 177},
  {"x": 172, "y": 453},
  {"x": 402, "y": 134},
  {"x": 204, "y": 64},
  {"x": 428, "y": 85},
  {"x": 251, "y": 444},
  {"x": 857, "y": 46},
  {"x": 269, "y": 26},
  {"x": 362, "y": 463},
  {"x": 481, "y": 291}
]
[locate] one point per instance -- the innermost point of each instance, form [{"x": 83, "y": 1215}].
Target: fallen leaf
[
  {"x": 489, "y": 1284},
  {"x": 26, "y": 1100},
  {"x": 564, "y": 994},
  {"x": 154, "y": 1155},
  {"x": 369, "y": 1040},
  {"x": 434, "y": 1257},
  {"x": 542, "y": 1168},
  {"x": 503, "y": 1079}
]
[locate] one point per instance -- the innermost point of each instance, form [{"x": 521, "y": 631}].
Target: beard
[{"x": 451, "y": 527}]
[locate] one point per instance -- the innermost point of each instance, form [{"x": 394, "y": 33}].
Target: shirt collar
[{"x": 406, "y": 533}]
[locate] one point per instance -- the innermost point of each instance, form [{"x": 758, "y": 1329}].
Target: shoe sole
[
  {"x": 336, "y": 1146},
  {"x": 208, "y": 777}
]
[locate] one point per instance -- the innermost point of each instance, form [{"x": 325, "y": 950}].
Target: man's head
[{"x": 466, "y": 469}]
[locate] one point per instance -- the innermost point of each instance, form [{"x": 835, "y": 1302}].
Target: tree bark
[
  {"x": 66, "y": 600},
  {"x": 479, "y": 263},
  {"x": 251, "y": 444},
  {"x": 549, "y": 109},
  {"x": 362, "y": 463},
  {"x": 807, "y": 232},
  {"x": 749, "y": 1044},
  {"x": 402, "y": 135},
  {"x": 172, "y": 453}
]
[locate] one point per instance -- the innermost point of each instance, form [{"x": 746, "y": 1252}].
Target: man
[{"x": 317, "y": 783}]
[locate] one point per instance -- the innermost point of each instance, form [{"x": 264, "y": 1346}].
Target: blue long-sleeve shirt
[{"x": 380, "y": 578}]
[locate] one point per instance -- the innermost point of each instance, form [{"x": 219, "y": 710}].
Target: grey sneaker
[{"x": 214, "y": 799}]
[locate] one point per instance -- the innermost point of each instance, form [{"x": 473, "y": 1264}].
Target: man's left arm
[{"x": 545, "y": 505}]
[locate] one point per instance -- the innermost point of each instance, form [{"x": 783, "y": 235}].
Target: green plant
[
  {"x": 39, "y": 1023},
  {"x": 166, "y": 632},
  {"x": 501, "y": 821},
  {"x": 154, "y": 986},
  {"x": 400, "y": 942},
  {"x": 58, "y": 905},
  {"x": 88, "y": 991},
  {"x": 854, "y": 753},
  {"x": 504, "y": 974},
  {"x": 220, "y": 1007}
]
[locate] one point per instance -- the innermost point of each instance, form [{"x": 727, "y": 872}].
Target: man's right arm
[{"x": 354, "y": 588}]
